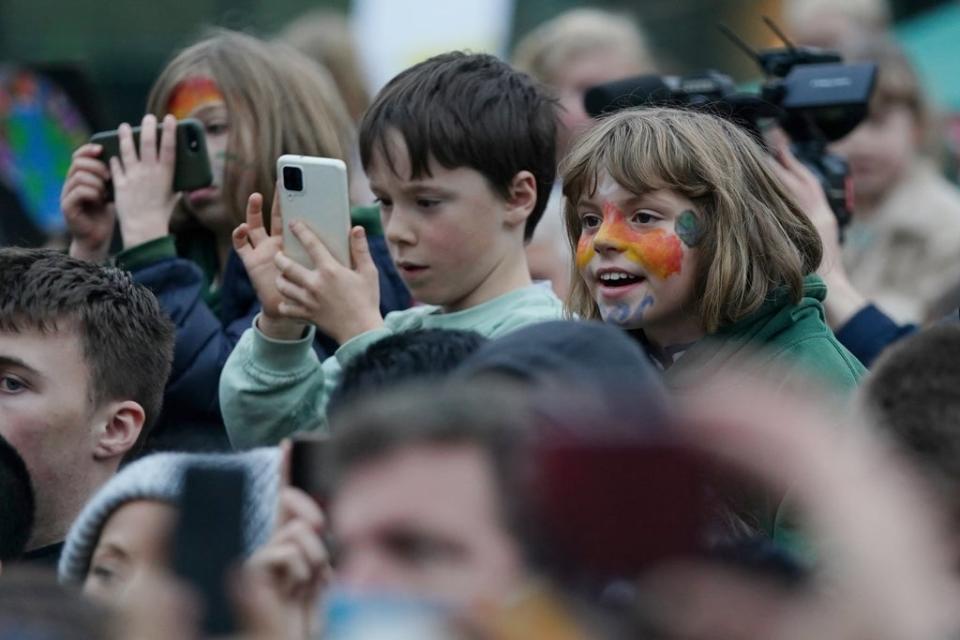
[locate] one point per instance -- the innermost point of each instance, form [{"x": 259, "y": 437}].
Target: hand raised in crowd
[
  {"x": 143, "y": 181},
  {"x": 284, "y": 579},
  {"x": 341, "y": 301},
  {"x": 83, "y": 201},
  {"x": 843, "y": 300},
  {"x": 257, "y": 249}
]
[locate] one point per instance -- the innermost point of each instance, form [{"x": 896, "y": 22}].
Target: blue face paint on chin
[{"x": 626, "y": 315}]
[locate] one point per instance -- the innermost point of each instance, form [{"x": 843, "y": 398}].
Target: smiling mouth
[{"x": 617, "y": 279}]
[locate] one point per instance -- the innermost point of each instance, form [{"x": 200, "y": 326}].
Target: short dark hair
[
  {"x": 127, "y": 338},
  {"x": 496, "y": 419},
  {"x": 16, "y": 503},
  {"x": 912, "y": 395},
  {"x": 402, "y": 357},
  {"x": 468, "y": 110}
]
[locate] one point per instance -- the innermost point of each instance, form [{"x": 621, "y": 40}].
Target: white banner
[{"x": 395, "y": 34}]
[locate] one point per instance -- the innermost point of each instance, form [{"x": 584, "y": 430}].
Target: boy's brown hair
[
  {"x": 755, "y": 237},
  {"x": 278, "y": 100},
  {"x": 468, "y": 110}
]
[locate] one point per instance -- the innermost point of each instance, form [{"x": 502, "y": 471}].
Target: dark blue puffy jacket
[{"x": 191, "y": 419}]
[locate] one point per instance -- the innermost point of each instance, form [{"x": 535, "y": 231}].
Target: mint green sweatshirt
[{"x": 270, "y": 389}]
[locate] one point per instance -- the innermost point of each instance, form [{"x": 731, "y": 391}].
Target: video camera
[{"x": 808, "y": 92}]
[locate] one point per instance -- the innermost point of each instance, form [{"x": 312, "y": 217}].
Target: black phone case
[
  {"x": 192, "y": 168},
  {"x": 209, "y": 539}
]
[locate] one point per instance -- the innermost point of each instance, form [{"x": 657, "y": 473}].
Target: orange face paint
[
  {"x": 658, "y": 252},
  {"x": 192, "y": 93}
]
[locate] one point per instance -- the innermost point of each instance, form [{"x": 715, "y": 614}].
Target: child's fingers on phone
[
  {"x": 116, "y": 170},
  {"x": 128, "y": 151},
  {"x": 295, "y": 293},
  {"x": 79, "y": 195},
  {"x": 89, "y": 165},
  {"x": 148, "y": 138},
  {"x": 293, "y": 271},
  {"x": 168, "y": 141},
  {"x": 294, "y": 311},
  {"x": 276, "y": 213},
  {"x": 311, "y": 242},
  {"x": 84, "y": 179},
  {"x": 255, "y": 211},
  {"x": 360, "y": 251},
  {"x": 88, "y": 150}
]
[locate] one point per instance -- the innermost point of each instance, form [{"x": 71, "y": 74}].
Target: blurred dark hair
[
  {"x": 127, "y": 338},
  {"x": 403, "y": 357},
  {"x": 912, "y": 394}
]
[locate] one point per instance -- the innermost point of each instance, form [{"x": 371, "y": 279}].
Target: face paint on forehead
[
  {"x": 688, "y": 228},
  {"x": 192, "y": 93}
]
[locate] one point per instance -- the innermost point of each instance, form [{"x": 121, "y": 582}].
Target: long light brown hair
[
  {"x": 278, "y": 101},
  {"x": 755, "y": 237}
]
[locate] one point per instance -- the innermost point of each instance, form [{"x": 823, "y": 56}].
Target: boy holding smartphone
[{"x": 460, "y": 152}]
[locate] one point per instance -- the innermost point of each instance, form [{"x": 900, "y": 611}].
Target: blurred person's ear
[
  {"x": 521, "y": 198},
  {"x": 119, "y": 428}
]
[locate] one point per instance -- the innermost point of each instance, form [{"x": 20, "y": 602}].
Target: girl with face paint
[
  {"x": 683, "y": 235},
  {"x": 256, "y": 101}
]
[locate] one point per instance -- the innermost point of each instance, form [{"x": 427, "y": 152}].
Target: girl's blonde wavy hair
[
  {"x": 754, "y": 237},
  {"x": 278, "y": 100}
]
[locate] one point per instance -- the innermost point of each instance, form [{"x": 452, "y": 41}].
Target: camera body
[{"x": 810, "y": 93}]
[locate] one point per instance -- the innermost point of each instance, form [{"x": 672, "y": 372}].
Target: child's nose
[
  {"x": 397, "y": 228},
  {"x": 606, "y": 240}
]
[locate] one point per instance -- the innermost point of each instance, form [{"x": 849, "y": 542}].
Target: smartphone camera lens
[
  {"x": 193, "y": 141},
  {"x": 292, "y": 179}
]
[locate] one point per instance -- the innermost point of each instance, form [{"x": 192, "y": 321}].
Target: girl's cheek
[{"x": 585, "y": 251}]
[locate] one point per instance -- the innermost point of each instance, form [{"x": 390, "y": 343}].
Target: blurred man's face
[
  {"x": 424, "y": 521},
  {"x": 579, "y": 74},
  {"x": 879, "y": 151}
]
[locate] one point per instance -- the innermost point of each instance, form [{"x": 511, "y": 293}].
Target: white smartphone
[{"x": 315, "y": 191}]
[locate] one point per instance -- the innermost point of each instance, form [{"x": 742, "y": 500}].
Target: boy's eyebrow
[{"x": 11, "y": 362}]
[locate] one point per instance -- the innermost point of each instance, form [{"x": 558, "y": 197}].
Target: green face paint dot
[{"x": 688, "y": 228}]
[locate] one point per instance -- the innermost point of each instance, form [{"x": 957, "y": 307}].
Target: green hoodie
[{"x": 791, "y": 341}]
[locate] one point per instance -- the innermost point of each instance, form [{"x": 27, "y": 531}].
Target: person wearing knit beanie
[{"x": 157, "y": 479}]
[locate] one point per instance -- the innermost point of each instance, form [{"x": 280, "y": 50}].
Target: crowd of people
[{"x": 620, "y": 377}]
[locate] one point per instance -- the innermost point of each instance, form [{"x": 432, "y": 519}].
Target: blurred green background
[{"x": 122, "y": 45}]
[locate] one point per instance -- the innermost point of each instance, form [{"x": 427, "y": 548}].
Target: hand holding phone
[
  {"x": 191, "y": 163},
  {"x": 314, "y": 191},
  {"x": 344, "y": 300}
]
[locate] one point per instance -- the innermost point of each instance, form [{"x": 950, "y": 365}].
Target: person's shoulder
[{"x": 532, "y": 304}]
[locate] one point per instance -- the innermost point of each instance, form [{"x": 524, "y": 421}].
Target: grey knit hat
[{"x": 160, "y": 477}]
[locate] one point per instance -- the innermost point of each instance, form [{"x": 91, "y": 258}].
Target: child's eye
[
  {"x": 643, "y": 217},
  {"x": 9, "y": 384},
  {"x": 590, "y": 221},
  {"x": 383, "y": 203},
  {"x": 217, "y": 128},
  {"x": 427, "y": 203}
]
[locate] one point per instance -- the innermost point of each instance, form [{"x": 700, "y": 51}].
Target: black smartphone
[
  {"x": 309, "y": 467},
  {"x": 208, "y": 542},
  {"x": 192, "y": 169}
]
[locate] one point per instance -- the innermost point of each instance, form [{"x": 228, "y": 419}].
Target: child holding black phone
[{"x": 256, "y": 101}]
